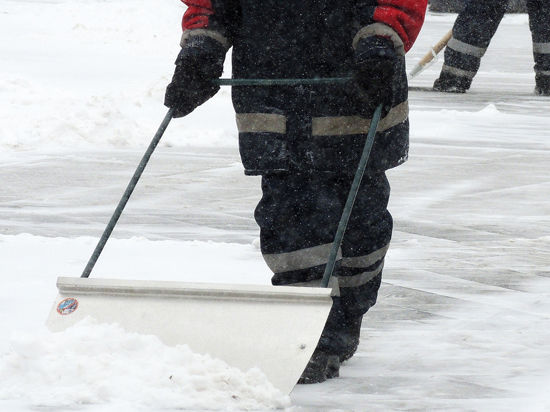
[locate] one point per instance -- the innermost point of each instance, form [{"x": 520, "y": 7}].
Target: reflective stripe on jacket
[{"x": 313, "y": 127}]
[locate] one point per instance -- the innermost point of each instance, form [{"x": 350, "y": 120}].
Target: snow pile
[
  {"x": 102, "y": 364},
  {"x": 134, "y": 258},
  {"x": 486, "y": 125},
  {"x": 88, "y": 74}
]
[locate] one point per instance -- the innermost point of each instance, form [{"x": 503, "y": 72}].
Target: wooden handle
[{"x": 440, "y": 45}]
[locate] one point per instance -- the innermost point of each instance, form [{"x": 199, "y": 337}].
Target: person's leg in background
[
  {"x": 539, "y": 23},
  {"x": 473, "y": 30}
]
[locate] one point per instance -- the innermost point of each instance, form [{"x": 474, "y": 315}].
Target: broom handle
[
  {"x": 440, "y": 45},
  {"x": 126, "y": 196},
  {"x": 428, "y": 57},
  {"x": 342, "y": 225}
]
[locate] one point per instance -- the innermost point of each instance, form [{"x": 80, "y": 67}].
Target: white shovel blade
[{"x": 273, "y": 328}]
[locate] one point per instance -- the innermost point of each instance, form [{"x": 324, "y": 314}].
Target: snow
[
  {"x": 463, "y": 317},
  {"x": 93, "y": 364},
  {"x": 102, "y": 364}
]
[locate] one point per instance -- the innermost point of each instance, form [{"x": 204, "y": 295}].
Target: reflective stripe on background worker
[{"x": 473, "y": 30}]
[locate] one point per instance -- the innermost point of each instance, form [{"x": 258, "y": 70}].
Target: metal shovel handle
[
  {"x": 126, "y": 196},
  {"x": 343, "y": 224},
  {"x": 281, "y": 82},
  {"x": 156, "y": 139}
]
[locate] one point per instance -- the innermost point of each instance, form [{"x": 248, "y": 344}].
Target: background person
[{"x": 473, "y": 30}]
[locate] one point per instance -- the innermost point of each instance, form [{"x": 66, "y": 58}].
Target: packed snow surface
[{"x": 462, "y": 321}]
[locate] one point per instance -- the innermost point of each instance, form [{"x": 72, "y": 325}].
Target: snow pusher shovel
[{"x": 273, "y": 328}]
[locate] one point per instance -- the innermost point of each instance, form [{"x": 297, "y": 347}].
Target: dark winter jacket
[{"x": 307, "y": 128}]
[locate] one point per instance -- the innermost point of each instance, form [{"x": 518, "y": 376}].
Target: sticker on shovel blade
[{"x": 67, "y": 306}]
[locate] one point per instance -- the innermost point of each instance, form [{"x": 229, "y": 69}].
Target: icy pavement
[
  {"x": 463, "y": 317},
  {"x": 191, "y": 194}
]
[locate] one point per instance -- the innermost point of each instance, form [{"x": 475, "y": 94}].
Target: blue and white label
[{"x": 67, "y": 306}]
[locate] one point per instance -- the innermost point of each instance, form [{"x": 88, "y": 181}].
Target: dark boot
[
  {"x": 341, "y": 333},
  {"x": 338, "y": 342},
  {"x": 333, "y": 367},
  {"x": 450, "y": 83},
  {"x": 350, "y": 338},
  {"x": 320, "y": 367},
  {"x": 542, "y": 87},
  {"x": 325, "y": 361}
]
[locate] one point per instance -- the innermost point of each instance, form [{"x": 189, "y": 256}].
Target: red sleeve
[
  {"x": 197, "y": 14},
  {"x": 404, "y": 16}
]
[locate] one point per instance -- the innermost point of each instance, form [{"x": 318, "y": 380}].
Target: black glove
[
  {"x": 199, "y": 62},
  {"x": 374, "y": 66}
]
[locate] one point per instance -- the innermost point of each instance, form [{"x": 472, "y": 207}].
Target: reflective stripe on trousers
[{"x": 309, "y": 258}]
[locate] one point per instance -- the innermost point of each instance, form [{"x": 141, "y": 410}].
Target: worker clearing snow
[{"x": 305, "y": 141}]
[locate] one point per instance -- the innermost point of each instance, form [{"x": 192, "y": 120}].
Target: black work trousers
[{"x": 298, "y": 216}]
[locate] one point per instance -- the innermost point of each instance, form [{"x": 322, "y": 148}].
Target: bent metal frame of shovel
[{"x": 273, "y": 328}]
